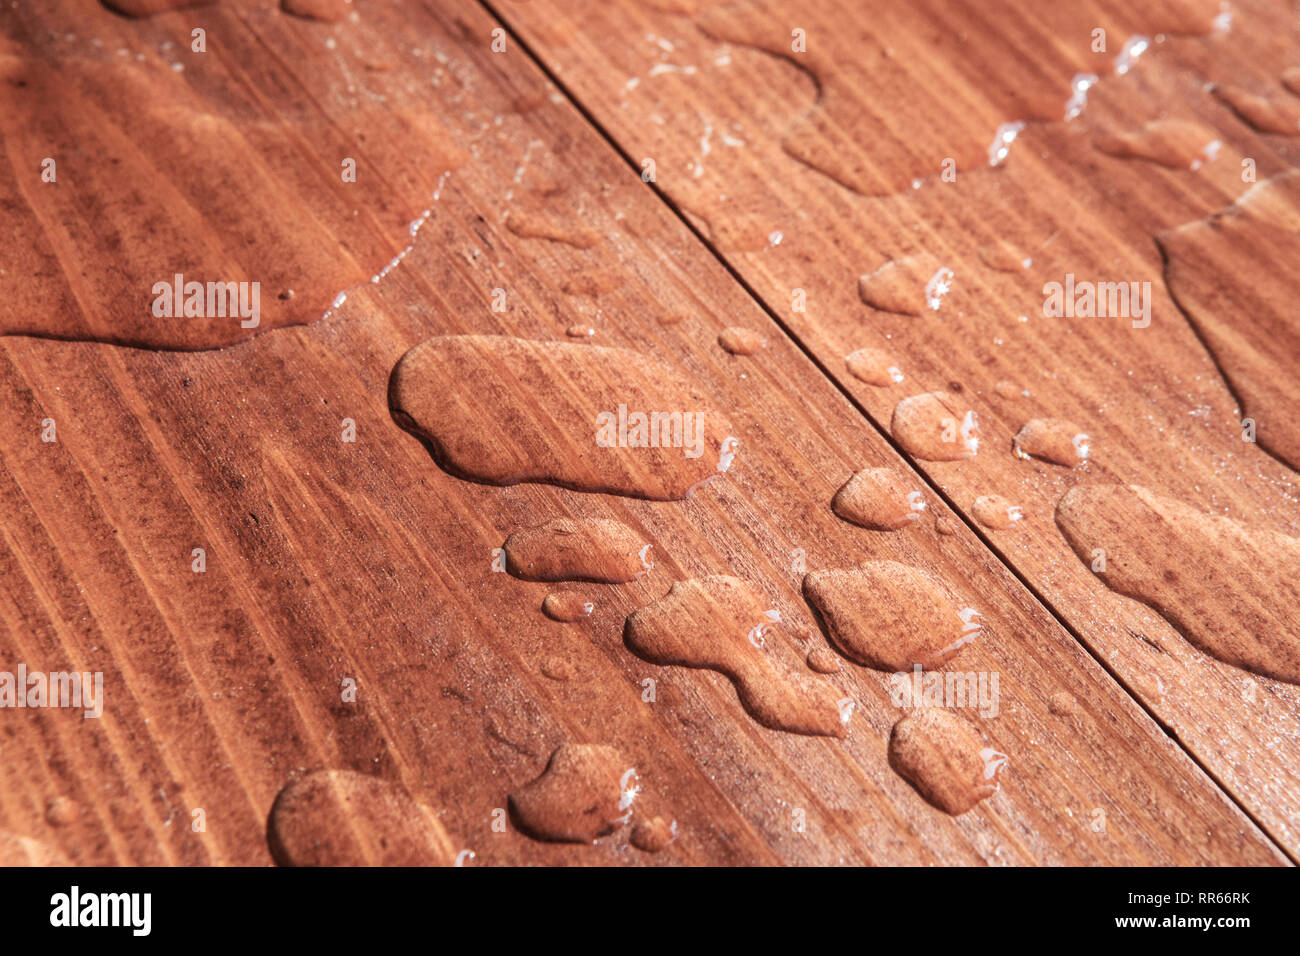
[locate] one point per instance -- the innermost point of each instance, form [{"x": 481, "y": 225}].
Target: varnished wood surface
[{"x": 330, "y": 560}]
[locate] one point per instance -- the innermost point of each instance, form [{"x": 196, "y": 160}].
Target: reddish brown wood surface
[{"x": 330, "y": 561}]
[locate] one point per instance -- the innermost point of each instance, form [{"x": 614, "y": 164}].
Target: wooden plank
[
  {"x": 330, "y": 561},
  {"x": 840, "y": 153}
]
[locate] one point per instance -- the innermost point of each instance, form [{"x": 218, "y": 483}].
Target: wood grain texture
[
  {"x": 753, "y": 142},
  {"x": 329, "y": 560}
]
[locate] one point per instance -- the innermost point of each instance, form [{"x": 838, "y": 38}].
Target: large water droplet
[
  {"x": 1174, "y": 144},
  {"x": 888, "y": 616},
  {"x": 944, "y": 758},
  {"x": 1182, "y": 562},
  {"x": 503, "y": 410},
  {"x": 1229, "y": 275},
  {"x": 578, "y": 549},
  {"x": 722, "y": 624},
  {"x": 314, "y": 822},
  {"x": 585, "y": 792}
]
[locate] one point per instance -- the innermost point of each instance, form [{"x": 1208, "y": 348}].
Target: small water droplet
[
  {"x": 943, "y": 757},
  {"x": 1054, "y": 440},
  {"x": 740, "y": 341},
  {"x": 567, "y": 606},
  {"x": 873, "y": 367},
  {"x": 994, "y": 511}
]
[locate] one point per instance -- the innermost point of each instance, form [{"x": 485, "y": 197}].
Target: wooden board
[
  {"x": 807, "y": 147},
  {"x": 330, "y": 561}
]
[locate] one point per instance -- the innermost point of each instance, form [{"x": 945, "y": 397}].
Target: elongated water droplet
[
  {"x": 341, "y": 818},
  {"x": 328, "y": 10},
  {"x": 535, "y": 225},
  {"x": 710, "y": 623},
  {"x": 1054, "y": 440},
  {"x": 1267, "y": 114},
  {"x": 578, "y": 549},
  {"x": 584, "y": 793},
  {"x": 739, "y": 341},
  {"x": 567, "y": 606},
  {"x": 1227, "y": 275},
  {"x": 503, "y": 410},
  {"x": 882, "y": 499},
  {"x": 1181, "y": 562},
  {"x": 936, "y": 426},
  {"x": 943, "y": 757},
  {"x": 1174, "y": 144},
  {"x": 889, "y": 616}
]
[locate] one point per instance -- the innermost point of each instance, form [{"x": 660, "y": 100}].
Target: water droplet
[
  {"x": 1004, "y": 257},
  {"x": 592, "y": 283},
  {"x": 533, "y": 225},
  {"x": 823, "y": 660},
  {"x": 908, "y": 286},
  {"x": 943, "y": 757},
  {"x": 873, "y": 367},
  {"x": 22, "y": 851},
  {"x": 740, "y": 341},
  {"x": 1252, "y": 332},
  {"x": 1061, "y": 703},
  {"x": 994, "y": 511},
  {"x": 652, "y": 836},
  {"x": 147, "y": 8},
  {"x": 558, "y": 669},
  {"x": 1181, "y": 562},
  {"x": 945, "y": 525},
  {"x": 1054, "y": 440},
  {"x": 580, "y": 331},
  {"x": 328, "y": 10},
  {"x": 707, "y": 622},
  {"x": 578, "y": 798},
  {"x": 567, "y": 606},
  {"x": 882, "y": 499},
  {"x": 341, "y": 818},
  {"x": 888, "y": 616},
  {"x": 1267, "y": 114},
  {"x": 62, "y": 812},
  {"x": 578, "y": 549},
  {"x": 936, "y": 426},
  {"x": 1010, "y": 390},
  {"x": 503, "y": 410},
  {"x": 1174, "y": 144}
]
